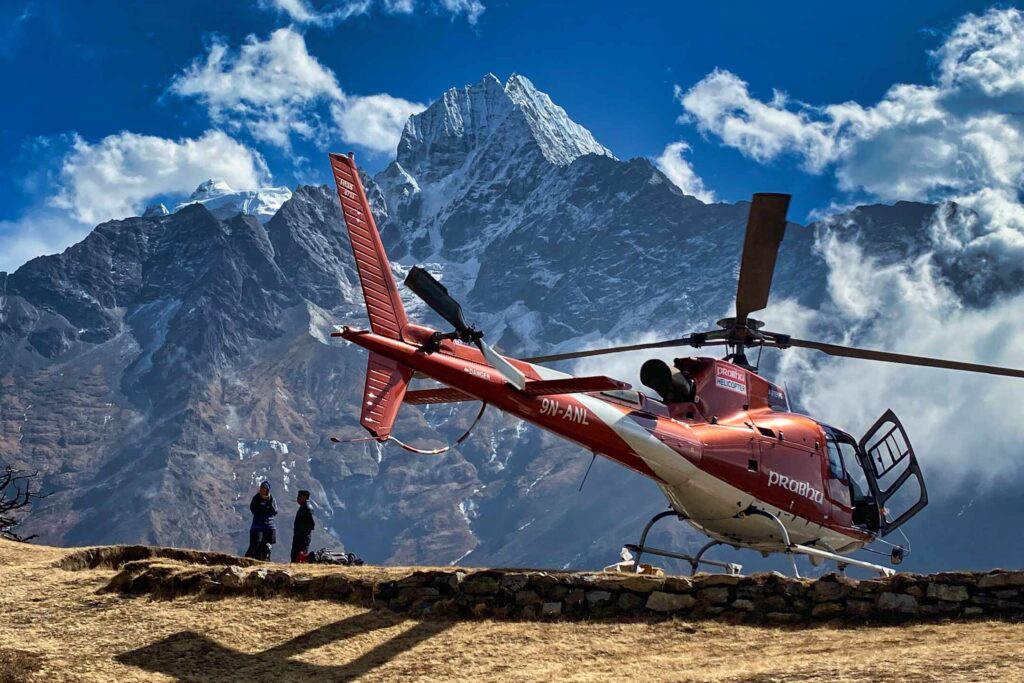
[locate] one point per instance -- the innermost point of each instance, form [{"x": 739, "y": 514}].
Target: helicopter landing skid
[
  {"x": 841, "y": 560},
  {"x": 798, "y": 549},
  {"x": 694, "y": 560}
]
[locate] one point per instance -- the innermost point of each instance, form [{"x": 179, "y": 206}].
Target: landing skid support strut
[
  {"x": 694, "y": 560},
  {"x": 785, "y": 534}
]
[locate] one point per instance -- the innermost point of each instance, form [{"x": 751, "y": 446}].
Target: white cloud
[
  {"x": 276, "y": 89},
  {"x": 374, "y": 121},
  {"x": 331, "y": 13},
  {"x": 399, "y": 6},
  {"x": 674, "y": 165},
  {"x": 302, "y": 12},
  {"x": 41, "y": 231},
  {"x": 114, "y": 177},
  {"x": 908, "y": 309},
  {"x": 959, "y": 138},
  {"x": 471, "y": 8},
  {"x": 721, "y": 104},
  {"x": 984, "y": 52},
  {"x": 271, "y": 87}
]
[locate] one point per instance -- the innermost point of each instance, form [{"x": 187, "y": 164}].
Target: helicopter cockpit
[
  {"x": 880, "y": 473},
  {"x": 845, "y": 467}
]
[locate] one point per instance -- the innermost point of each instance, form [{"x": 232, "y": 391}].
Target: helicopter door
[{"x": 893, "y": 473}]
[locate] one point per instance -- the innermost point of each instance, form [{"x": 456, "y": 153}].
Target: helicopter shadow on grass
[{"x": 190, "y": 656}]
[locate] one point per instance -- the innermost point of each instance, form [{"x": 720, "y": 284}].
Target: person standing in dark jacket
[
  {"x": 304, "y": 526},
  {"x": 262, "y": 534}
]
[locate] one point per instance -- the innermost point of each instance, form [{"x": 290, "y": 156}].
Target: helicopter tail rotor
[{"x": 436, "y": 295}]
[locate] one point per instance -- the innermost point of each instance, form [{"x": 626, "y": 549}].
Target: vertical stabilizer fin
[
  {"x": 383, "y": 304},
  {"x": 386, "y": 382}
]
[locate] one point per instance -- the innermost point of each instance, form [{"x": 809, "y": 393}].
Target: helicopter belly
[
  {"x": 747, "y": 530},
  {"x": 712, "y": 505}
]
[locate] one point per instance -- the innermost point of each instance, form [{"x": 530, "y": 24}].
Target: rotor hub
[{"x": 732, "y": 324}]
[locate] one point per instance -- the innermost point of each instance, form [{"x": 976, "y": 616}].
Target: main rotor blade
[
  {"x": 766, "y": 226},
  {"x": 867, "y": 354},
  {"x": 684, "y": 341},
  {"x": 436, "y": 295}
]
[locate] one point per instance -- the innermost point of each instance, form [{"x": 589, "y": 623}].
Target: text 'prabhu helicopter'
[{"x": 722, "y": 444}]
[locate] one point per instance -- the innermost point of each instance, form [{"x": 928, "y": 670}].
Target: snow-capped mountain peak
[
  {"x": 464, "y": 121},
  {"x": 561, "y": 139},
  {"x": 209, "y": 189},
  {"x": 223, "y": 201}
]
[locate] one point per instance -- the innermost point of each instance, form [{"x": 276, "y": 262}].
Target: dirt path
[{"x": 55, "y": 622}]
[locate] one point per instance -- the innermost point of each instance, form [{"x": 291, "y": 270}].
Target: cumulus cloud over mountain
[
  {"x": 957, "y": 138},
  {"x": 674, "y": 164},
  {"x": 115, "y": 177},
  {"x": 275, "y": 89}
]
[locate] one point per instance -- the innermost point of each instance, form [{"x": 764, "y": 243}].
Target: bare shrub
[{"x": 17, "y": 493}]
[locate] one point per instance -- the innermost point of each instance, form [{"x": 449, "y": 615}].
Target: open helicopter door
[{"x": 892, "y": 471}]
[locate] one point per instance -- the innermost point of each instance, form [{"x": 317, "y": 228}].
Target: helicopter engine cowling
[{"x": 670, "y": 384}]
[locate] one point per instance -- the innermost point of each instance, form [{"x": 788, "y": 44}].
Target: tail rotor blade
[
  {"x": 436, "y": 295},
  {"x": 511, "y": 374},
  {"x": 766, "y": 226}
]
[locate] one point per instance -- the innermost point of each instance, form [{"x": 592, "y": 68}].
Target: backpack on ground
[{"x": 325, "y": 556}]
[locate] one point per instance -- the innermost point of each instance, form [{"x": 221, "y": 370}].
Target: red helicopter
[{"x": 722, "y": 443}]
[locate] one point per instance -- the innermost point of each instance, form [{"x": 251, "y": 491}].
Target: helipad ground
[{"x": 56, "y": 626}]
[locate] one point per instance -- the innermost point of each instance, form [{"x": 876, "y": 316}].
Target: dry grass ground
[{"x": 55, "y": 626}]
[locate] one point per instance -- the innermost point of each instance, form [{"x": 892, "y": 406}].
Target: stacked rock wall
[{"x": 524, "y": 594}]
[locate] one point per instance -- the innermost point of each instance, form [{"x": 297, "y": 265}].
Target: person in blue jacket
[{"x": 262, "y": 534}]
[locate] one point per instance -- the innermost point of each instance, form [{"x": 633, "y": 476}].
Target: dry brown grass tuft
[
  {"x": 17, "y": 666},
  {"x": 75, "y": 632}
]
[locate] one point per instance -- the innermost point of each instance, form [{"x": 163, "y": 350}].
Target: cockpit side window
[
  {"x": 835, "y": 458},
  {"x": 858, "y": 482}
]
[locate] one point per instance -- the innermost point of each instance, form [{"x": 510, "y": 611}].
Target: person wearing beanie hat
[
  {"x": 262, "y": 534},
  {"x": 303, "y": 530}
]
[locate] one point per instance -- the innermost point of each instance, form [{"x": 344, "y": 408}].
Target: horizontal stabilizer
[
  {"x": 573, "y": 385},
  {"x": 439, "y": 395}
]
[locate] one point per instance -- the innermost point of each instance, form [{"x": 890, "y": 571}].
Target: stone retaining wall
[{"x": 526, "y": 594}]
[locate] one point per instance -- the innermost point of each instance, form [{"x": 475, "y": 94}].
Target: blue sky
[{"x": 75, "y": 73}]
